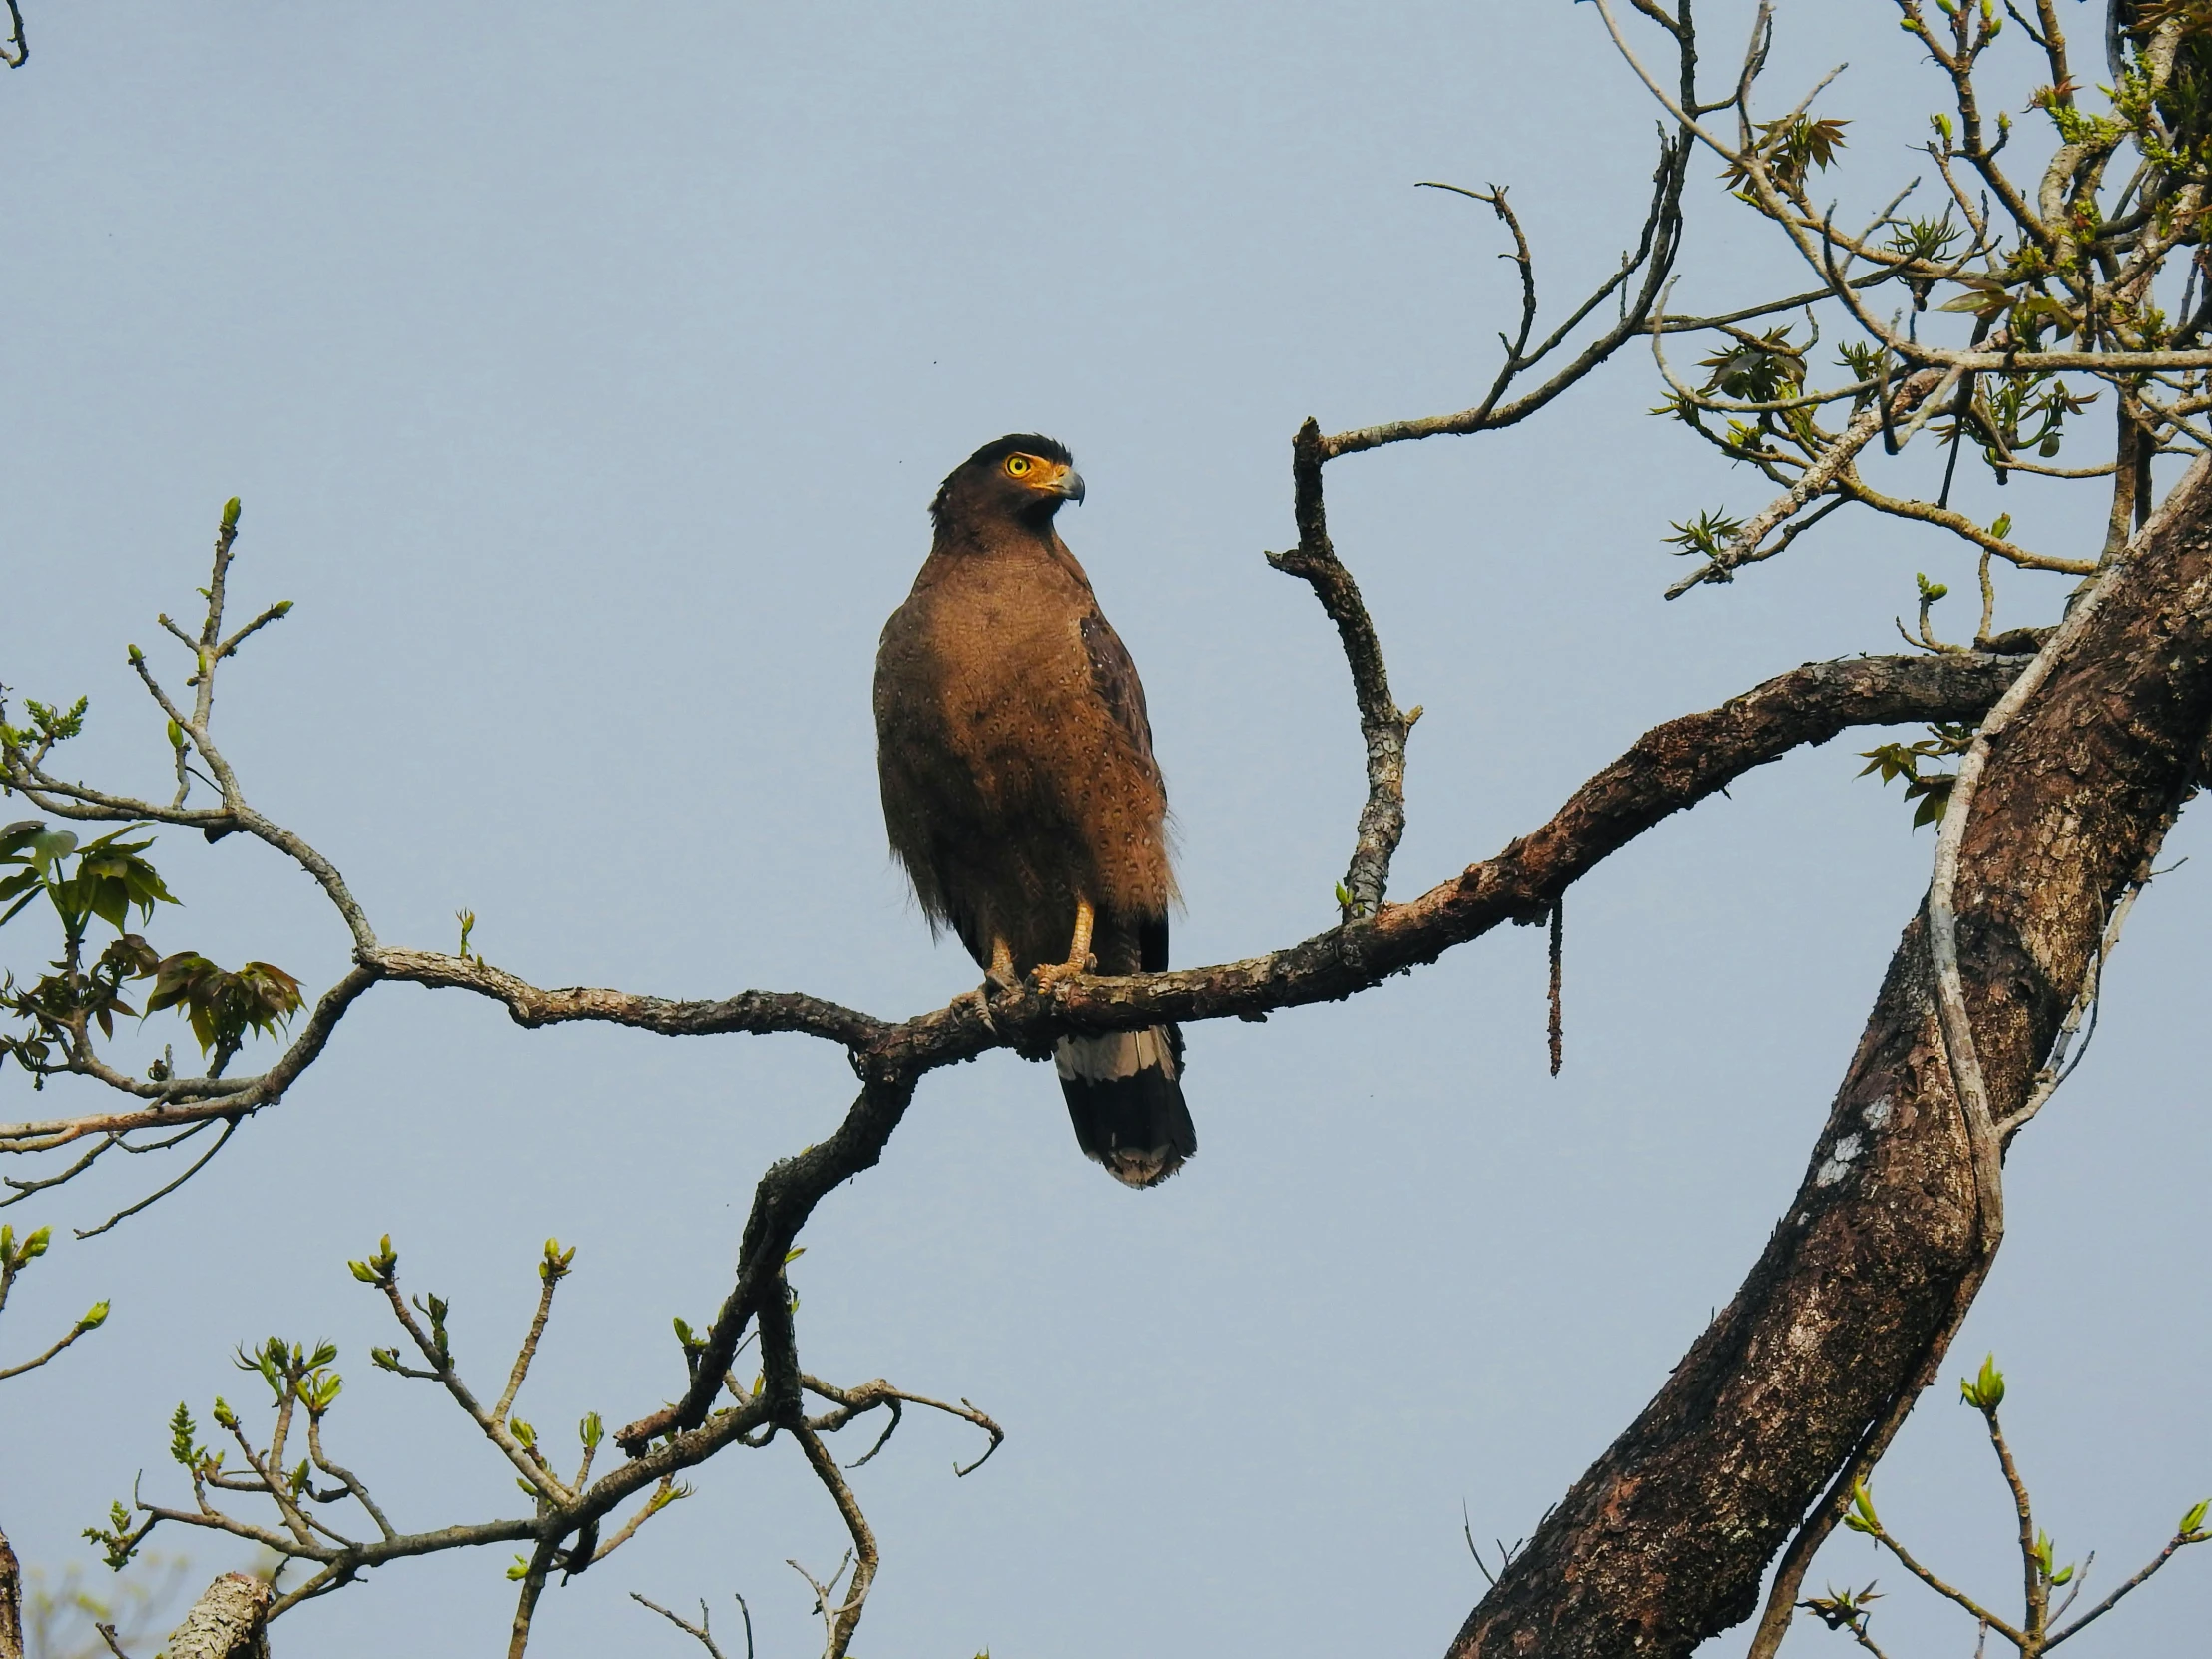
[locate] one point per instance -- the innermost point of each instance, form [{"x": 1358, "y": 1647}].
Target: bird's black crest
[
  {"x": 987, "y": 457},
  {"x": 1021, "y": 444}
]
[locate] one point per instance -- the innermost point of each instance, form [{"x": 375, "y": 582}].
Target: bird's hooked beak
[{"x": 1069, "y": 485}]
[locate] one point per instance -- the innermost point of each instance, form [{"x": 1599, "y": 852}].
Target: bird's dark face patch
[{"x": 1024, "y": 476}]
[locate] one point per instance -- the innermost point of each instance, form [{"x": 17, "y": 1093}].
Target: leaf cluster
[
  {"x": 221, "y": 1005},
  {"x": 1705, "y": 534},
  {"x": 49, "y": 726},
  {"x": 1756, "y": 368},
  {"x": 2021, "y": 412},
  {"x": 1792, "y": 148},
  {"x": 1843, "y": 1609},
  {"x": 107, "y": 880},
  {"x": 1931, "y": 789},
  {"x": 295, "y": 1371},
  {"x": 56, "y": 1004}
]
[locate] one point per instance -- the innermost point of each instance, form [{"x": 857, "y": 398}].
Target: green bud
[
  {"x": 95, "y": 1317},
  {"x": 230, "y": 513},
  {"x": 1990, "y": 1385},
  {"x": 1862, "y": 1517}
]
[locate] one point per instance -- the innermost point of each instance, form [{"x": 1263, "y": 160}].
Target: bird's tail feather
[{"x": 1125, "y": 1094}]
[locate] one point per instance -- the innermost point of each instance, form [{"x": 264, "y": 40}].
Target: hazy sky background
[{"x": 585, "y": 372}]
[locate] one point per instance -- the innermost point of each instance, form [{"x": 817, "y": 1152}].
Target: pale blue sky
[{"x": 586, "y": 372}]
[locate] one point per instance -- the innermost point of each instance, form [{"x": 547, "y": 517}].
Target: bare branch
[
  {"x": 1382, "y": 722},
  {"x": 698, "y": 1632}
]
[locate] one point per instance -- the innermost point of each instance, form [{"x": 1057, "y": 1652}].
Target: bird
[{"x": 1020, "y": 793}]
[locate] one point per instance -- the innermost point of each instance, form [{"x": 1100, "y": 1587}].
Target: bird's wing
[{"x": 1114, "y": 677}]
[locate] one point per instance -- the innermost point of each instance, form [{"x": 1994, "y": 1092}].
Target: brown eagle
[{"x": 1020, "y": 786}]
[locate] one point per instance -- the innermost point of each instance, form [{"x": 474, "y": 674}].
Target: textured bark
[
  {"x": 229, "y": 1621},
  {"x": 11, "y": 1602},
  {"x": 1663, "y": 1541}
]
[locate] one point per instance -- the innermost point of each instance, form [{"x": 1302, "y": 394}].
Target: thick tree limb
[
  {"x": 1671, "y": 767},
  {"x": 11, "y": 1602},
  {"x": 1844, "y": 1316},
  {"x": 229, "y": 1622}
]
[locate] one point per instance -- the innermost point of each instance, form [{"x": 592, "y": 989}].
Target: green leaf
[
  {"x": 48, "y": 845},
  {"x": 183, "y": 1432},
  {"x": 1862, "y": 1517},
  {"x": 1706, "y": 534},
  {"x": 2195, "y": 1518},
  {"x": 1990, "y": 1385}
]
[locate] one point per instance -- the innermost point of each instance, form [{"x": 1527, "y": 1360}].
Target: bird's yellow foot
[
  {"x": 1048, "y": 974},
  {"x": 998, "y": 978}
]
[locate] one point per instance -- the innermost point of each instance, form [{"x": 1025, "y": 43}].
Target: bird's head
[{"x": 1024, "y": 476}]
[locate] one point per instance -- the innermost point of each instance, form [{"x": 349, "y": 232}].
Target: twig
[
  {"x": 1558, "y": 937},
  {"x": 199, "y": 1164},
  {"x": 699, "y": 1631}
]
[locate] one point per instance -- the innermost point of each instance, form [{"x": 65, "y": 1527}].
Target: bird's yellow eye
[{"x": 1018, "y": 466}]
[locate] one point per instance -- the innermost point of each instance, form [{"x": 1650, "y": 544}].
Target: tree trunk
[
  {"x": 1846, "y": 1314},
  {"x": 229, "y": 1622},
  {"x": 11, "y": 1602}
]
